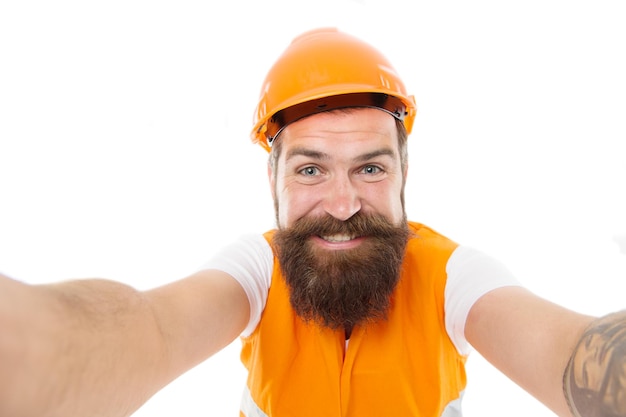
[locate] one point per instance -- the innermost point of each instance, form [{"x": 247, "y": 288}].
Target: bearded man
[{"x": 346, "y": 309}]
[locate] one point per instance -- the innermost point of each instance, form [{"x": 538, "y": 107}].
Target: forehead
[{"x": 341, "y": 131}]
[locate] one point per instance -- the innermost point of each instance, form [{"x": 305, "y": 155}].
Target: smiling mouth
[{"x": 338, "y": 238}]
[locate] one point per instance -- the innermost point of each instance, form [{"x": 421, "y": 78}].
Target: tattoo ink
[{"x": 594, "y": 381}]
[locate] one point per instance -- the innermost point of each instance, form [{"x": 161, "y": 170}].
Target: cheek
[
  {"x": 387, "y": 201},
  {"x": 292, "y": 205}
]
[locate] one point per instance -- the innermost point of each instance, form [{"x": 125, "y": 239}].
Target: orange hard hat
[{"x": 325, "y": 69}]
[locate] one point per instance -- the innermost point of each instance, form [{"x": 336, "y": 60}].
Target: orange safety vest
[{"x": 403, "y": 366}]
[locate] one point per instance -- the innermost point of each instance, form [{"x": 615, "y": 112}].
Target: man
[{"x": 346, "y": 309}]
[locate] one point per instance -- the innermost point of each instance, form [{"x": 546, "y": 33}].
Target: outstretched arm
[
  {"x": 101, "y": 348},
  {"x": 527, "y": 338},
  {"x": 574, "y": 364}
]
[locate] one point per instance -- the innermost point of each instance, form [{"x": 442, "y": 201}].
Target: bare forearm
[
  {"x": 77, "y": 348},
  {"x": 595, "y": 377}
]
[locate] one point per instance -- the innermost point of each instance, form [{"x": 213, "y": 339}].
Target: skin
[
  {"x": 596, "y": 373},
  {"x": 100, "y": 348},
  {"x": 58, "y": 360},
  {"x": 319, "y": 171},
  {"x": 528, "y": 338}
]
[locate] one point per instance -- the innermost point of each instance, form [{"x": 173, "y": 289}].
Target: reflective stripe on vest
[
  {"x": 454, "y": 409},
  {"x": 249, "y": 407}
]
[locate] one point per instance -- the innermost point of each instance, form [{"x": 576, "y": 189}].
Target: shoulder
[{"x": 244, "y": 249}]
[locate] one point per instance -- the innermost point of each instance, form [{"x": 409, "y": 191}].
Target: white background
[{"x": 124, "y": 149}]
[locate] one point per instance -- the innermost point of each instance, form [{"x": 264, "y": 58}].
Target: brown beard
[{"x": 341, "y": 288}]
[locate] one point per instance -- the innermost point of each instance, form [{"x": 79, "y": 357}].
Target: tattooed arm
[
  {"x": 595, "y": 377},
  {"x": 529, "y": 339},
  {"x": 573, "y": 363}
]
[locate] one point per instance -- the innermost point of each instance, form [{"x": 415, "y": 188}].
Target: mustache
[{"x": 359, "y": 225}]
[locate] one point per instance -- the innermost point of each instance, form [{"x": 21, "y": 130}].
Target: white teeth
[{"x": 338, "y": 238}]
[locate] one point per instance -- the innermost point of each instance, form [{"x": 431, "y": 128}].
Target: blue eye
[
  {"x": 371, "y": 169},
  {"x": 309, "y": 171}
]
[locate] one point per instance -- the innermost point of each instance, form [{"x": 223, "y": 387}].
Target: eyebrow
[
  {"x": 374, "y": 154},
  {"x": 310, "y": 153}
]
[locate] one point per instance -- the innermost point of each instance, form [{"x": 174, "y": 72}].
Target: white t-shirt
[{"x": 471, "y": 274}]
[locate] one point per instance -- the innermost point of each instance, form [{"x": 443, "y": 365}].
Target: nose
[{"x": 342, "y": 198}]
